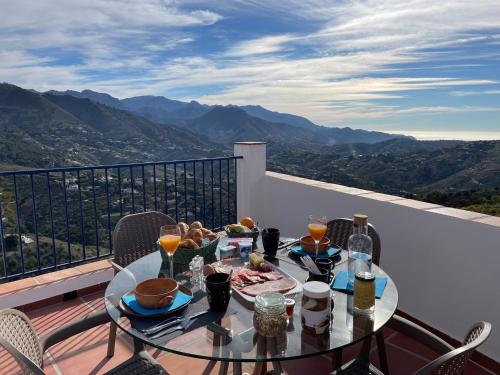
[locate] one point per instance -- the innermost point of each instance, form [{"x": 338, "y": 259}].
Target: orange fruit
[{"x": 247, "y": 222}]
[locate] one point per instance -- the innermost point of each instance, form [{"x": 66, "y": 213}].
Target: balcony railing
[{"x": 59, "y": 217}]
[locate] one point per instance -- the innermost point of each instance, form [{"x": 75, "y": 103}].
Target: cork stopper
[{"x": 360, "y": 219}]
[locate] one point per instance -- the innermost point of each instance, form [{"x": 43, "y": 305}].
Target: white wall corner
[{"x": 250, "y": 174}]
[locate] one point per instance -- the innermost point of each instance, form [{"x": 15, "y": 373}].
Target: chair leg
[
  {"x": 382, "y": 354},
  {"x": 111, "y": 340}
]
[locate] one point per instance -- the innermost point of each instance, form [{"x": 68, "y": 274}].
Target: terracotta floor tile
[
  {"x": 57, "y": 276},
  {"x": 53, "y": 316},
  {"x": 95, "y": 300},
  {"x": 86, "y": 353},
  {"x": 94, "y": 266},
  {"x": 319, "y": 364},
  {"x": 18, "y": 285},
  {"x": 412, "y": 345},
  {"x": 400, "y": 361},
  {"x": 474, "y": 369},
  {"x": 7, "y": 363},
  {"x": 180, "y": 365}
]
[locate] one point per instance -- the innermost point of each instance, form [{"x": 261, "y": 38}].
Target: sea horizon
[{"x": 431, "y": 135}]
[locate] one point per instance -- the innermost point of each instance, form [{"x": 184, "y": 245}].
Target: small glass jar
[
  {"x": 316, "y": 310},
  {"x": 269, "y": 318},
  {"x": 364, "y": 292}
]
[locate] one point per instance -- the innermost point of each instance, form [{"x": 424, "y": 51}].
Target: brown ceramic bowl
[
  {"x": 156, "y": 293},
  {"x": 307, "y": 243}
]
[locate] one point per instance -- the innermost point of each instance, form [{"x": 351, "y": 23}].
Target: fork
[{"x": 181, "y": 327}]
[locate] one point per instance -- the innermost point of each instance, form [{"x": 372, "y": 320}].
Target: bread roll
[
  {"x": 188, "y": 244},
  {"x": 205, "y": 232},
  {"x": 194, "y": 233},
  {"x": 198, "y": 240},
  {"x": 196, "y": 225}
]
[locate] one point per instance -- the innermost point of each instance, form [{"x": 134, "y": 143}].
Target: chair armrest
[
  {"x": 73, "y": 328},
  {"x": 413, "y": 330}
]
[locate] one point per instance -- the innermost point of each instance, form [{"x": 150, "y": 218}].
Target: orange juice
[
  {"x": 170, "y": 242},
  {"x": 317, "y": 231}
]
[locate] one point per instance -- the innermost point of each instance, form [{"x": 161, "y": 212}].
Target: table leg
[
  {"x": 111, "y": 340},
  {"x": 260, "y": 368},
  {"x": 237, "y": 368},
  {"x": 215, "y": 352},
  {"x": 384, "y": 365}
]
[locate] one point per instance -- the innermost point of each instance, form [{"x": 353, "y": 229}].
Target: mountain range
[
  {"x": 226, "y": 124},
  {"x": 45, "y": 130}
]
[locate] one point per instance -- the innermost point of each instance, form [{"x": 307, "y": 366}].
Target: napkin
[
  {"x": 131, "y": 302},
  {"x": 340, "y": 283},
  {"x": 332, "y": 251}
]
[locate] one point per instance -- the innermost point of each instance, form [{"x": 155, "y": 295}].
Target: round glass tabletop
[{"x": 230, "y": 336}]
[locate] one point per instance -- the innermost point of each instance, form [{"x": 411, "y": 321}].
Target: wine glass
[
  {"x": 170, "y": 237},
  {"x": 317, "y": 229}
]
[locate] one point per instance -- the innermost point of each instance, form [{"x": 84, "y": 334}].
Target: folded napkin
[
  {"x": 331, "y": 252},
  {"x": 131, "y": 302},
  {"x": 340, "y": 283}
]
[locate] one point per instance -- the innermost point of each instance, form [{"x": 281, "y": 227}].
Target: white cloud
[
  {"x": 357, "y": 52},
  {"x": 267, "y": 44},
  {"x": 472, "y": 93}
]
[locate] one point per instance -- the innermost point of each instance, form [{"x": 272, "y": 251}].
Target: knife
[{"x": 160, "y": 327}]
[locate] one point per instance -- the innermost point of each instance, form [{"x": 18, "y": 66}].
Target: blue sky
[{"x": 411, "y": 66}]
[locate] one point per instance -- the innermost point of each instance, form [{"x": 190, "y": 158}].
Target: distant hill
[
  {"x": 47, "y": 130},
  {"x": 391, "y": 146},
  {"x": 163, "y": 110},
  {"x": 425, "y": 167}
]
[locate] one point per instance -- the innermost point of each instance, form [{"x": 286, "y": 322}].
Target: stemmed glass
[
  {"x": 170, "y": 237},
  {"x": 317, "y": 229}
]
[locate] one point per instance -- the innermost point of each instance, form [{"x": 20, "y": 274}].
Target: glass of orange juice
[
  {"x": 170, "y": 237},
  {"x": 317, "y": 229}
]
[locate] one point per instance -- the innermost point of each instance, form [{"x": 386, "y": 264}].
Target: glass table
[{"x": 230, "y": 336}]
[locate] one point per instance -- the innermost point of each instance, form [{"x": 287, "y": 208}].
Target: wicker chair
[
  {"x": 339, "y": 231},
  {"x": 20, "y": 339},
  {"x": 451, "y": 362},
  {"x": 134, "y": 236}
]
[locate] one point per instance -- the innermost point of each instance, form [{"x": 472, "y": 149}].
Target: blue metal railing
[{"x": 53, "y": 218}]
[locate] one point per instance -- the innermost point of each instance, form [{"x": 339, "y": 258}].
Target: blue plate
[
  {"x": 181, "y": 300},
  {"x": 331, "y": 252}
]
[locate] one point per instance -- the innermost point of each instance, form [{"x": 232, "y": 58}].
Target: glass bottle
[{"x": 360, "y": 248}]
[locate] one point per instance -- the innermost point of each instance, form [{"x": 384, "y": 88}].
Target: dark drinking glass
[
  {"x": 270, "y": 240},
  {"x": 218, "y": 291}
]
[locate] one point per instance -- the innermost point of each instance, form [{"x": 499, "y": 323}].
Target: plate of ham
[{"x": 247, "y": 283}]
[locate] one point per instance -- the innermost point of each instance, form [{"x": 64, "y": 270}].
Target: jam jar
[
  {"x": 316, "y": 302},
  {"x": 269, "y": 318}
]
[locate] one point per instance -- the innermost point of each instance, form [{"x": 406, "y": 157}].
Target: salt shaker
[{"x": 196, "y": 267}]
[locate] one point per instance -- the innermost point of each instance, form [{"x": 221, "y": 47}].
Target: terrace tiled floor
[{"x": 86, "y": 353}]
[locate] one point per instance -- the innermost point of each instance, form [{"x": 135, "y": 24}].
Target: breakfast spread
[{"x": 256, "y": 277}]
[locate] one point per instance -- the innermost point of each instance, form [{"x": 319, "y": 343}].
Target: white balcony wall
[{"x": 445, "y": 262}]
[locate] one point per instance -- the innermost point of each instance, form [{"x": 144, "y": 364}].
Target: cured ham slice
[
  {"x": 271, "y": 276},
  {"x": 279, "y": 286}
]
